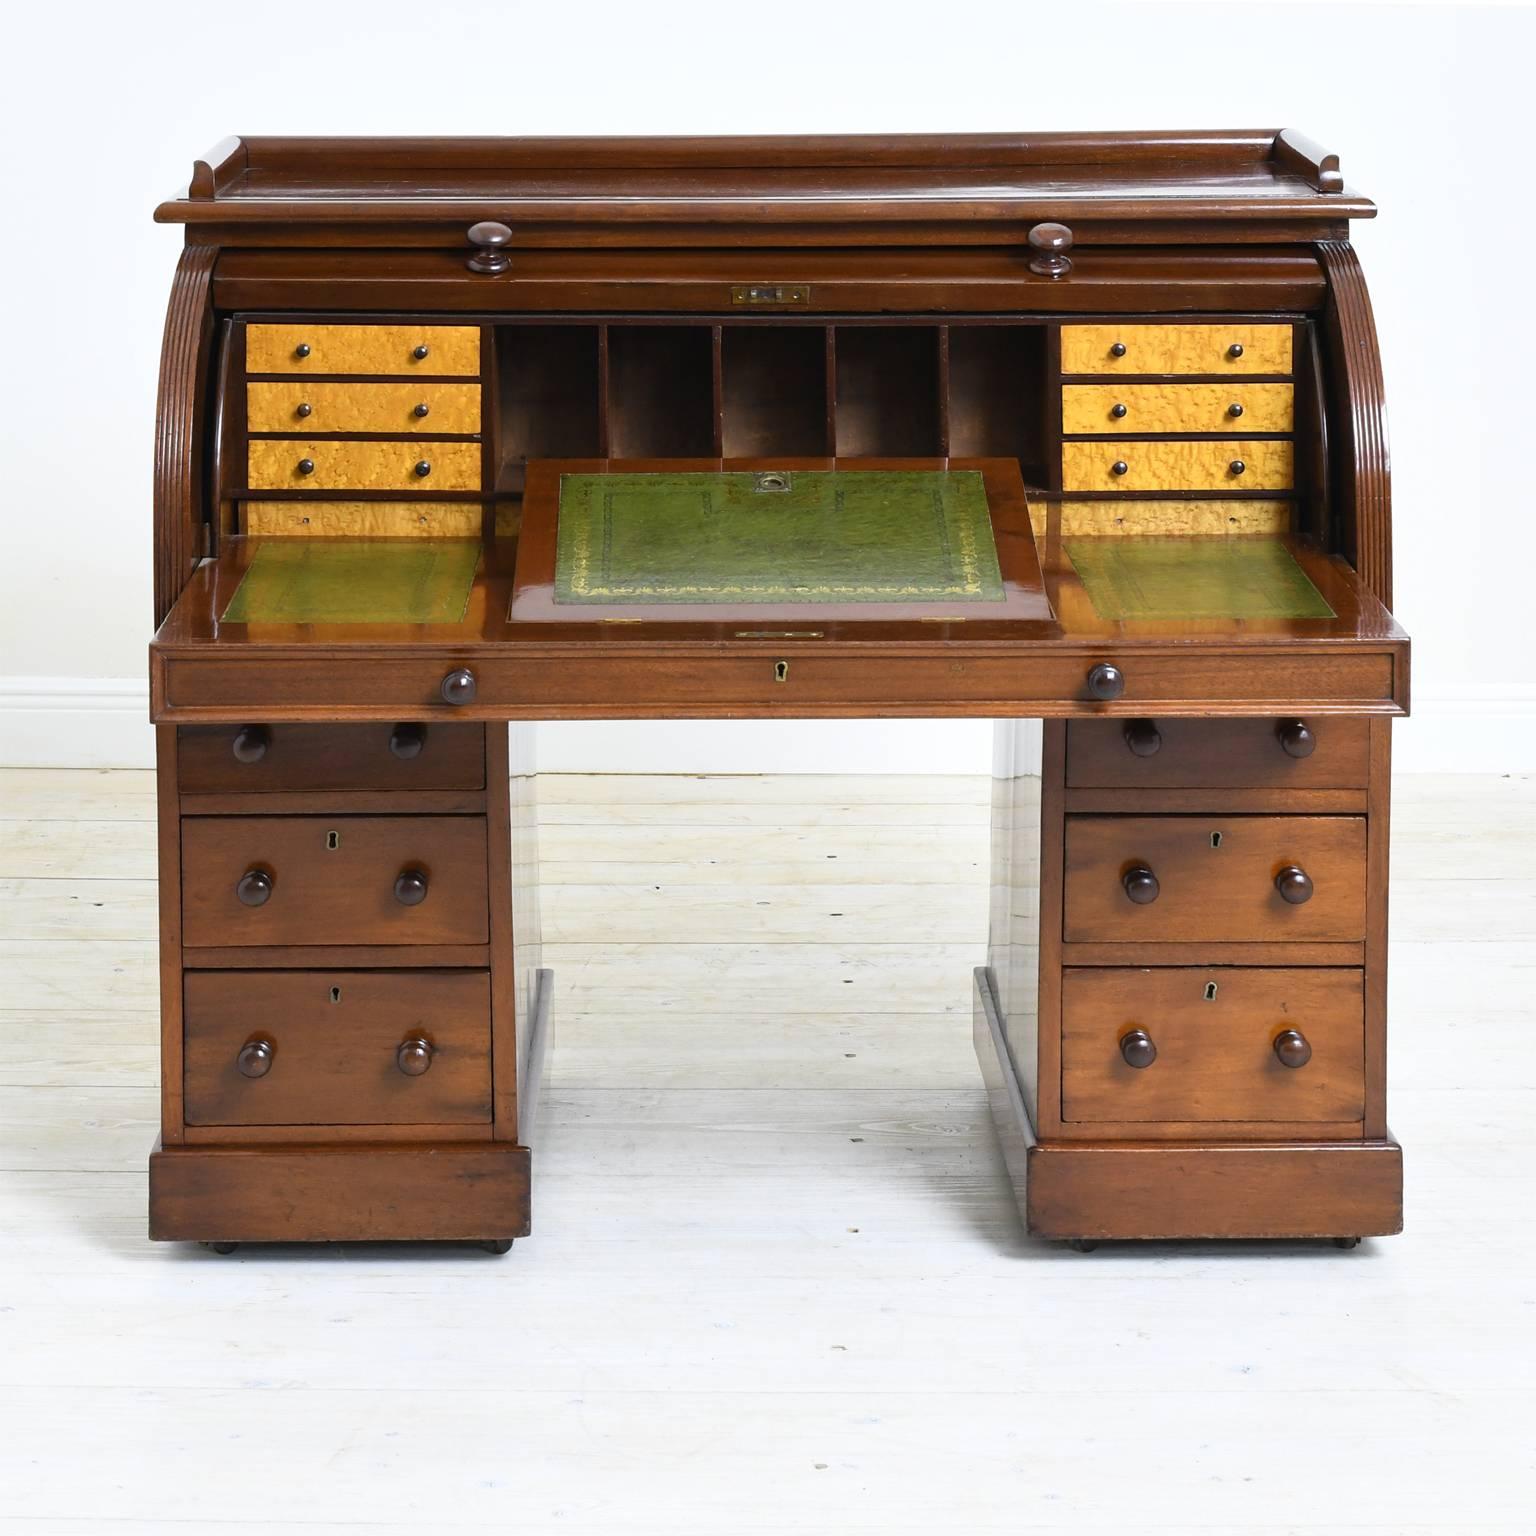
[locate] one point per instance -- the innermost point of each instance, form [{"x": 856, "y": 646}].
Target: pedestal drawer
[
  {"x": 337, "y": 1047},
  {"x": 338, "y": 880},
  {"x": 1213, "y": 1044},
  {"x": 259, "y": 759},
  {"x": 1320, "y": 753},
  {"x": 1214, "y": 879}
]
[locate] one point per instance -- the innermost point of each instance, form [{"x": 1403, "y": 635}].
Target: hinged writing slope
[{"x": 753, "y": 541}]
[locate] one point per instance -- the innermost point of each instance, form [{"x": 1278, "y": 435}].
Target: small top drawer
[
  {"x": 339, "y": 880},
  {"x": 1103, "y": 408},
  {"x": 1235, "y": 347},
  {"x": 1214, "y": 879},
  {"x": 452, "y": 350},
  {"x": 1325, "y": 753},
  {"x": 303, "y": 405},
  {"x": 262, "y": 759}
]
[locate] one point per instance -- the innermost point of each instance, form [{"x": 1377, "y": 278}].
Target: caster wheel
[
  {"x": 497, "y": 1245},
  {"x": 1082, "y": 1244},
  {"x": 1346, "y": 1242},
  {"x": 222, "y": 1247}
]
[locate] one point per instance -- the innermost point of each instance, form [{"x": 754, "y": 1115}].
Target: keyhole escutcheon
[{"x": 781, "y": 671}]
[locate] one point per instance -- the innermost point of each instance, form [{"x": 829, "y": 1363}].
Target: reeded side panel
[{"x": 1013, "y": 946}]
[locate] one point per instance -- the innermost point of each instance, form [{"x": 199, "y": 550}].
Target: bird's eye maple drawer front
[
  {"x": 333, "y": 880},
  {"x": 1242, "y": 464},
  {"x": 337, "y": 1047},
  {"x": 1221, "y": 348},
  {"x": 1217, "y": 879},
  {"x": 260, "y": 759},
  {"x": 1213, "y": 1044},
  {"x": 301, "y": 405},
  {"x": 297, "y": 464},
  {"x": 1240, "y": 407},
  {"x": 451, "y": 350},
  {"x": 1328, "y": 752}
]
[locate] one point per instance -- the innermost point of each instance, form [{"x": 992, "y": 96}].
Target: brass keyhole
[
  {"x": 1215, "y": 839},
  {"x": 332, "y": 841},
  {"x": 335, "y": 994},
  {"x": 781, "y": 671},
  {"x": 1210, "y": 991}
]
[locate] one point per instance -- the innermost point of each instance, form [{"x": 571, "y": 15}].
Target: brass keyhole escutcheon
[
  {"x": 1215, "y": 839},
  {"x": 335, "y": 994},
  {"x": 332, "y": 841},
  {"x": 781, "y": 671},
  {"x": 1210, "y": 991}
]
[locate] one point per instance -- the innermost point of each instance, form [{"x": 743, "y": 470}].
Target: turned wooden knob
[
  {"x": 1296, "y": 739},
  {"x": 302, "y": 350},
  {"x": 1137, "y": 1048},
  {"x": 1294, "y": 884},
  {"x": 458, "y": 687},
  {"x": 253, "y": 888},
  {"x": 1117, "y": 349},
  {"x": 1050, "y": 244},
  {"x": 411, "y": 887},
  {"x": 1106, "y": 681},
  {"x": 251, "y": 743},
  {"x": 423, "y": 468},
  {"x": 1292, "y": 1048},
  {"x": 414, "y": 1055},
  {"x": 303, "y": 409},
  {"x": 1118, "y": 410},
  {"x": 421, "y": 409},
  {"x": 1238, "y": 467},
  {"x": 1119, "y": 467},
  {"x": 1235, "y": 350},
  {"x": 406, "y": 741},
  {"x": 489, "y": 239},
  {"x": 1140, "y": 884},
  {"x": 255, "y": 1058},
  {"x": 306, "y": 466},
  {"x": 1143, "y": 738}
]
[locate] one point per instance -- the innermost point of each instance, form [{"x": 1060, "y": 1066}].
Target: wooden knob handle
[
  {"x": 1140, "y": 884},
  {"x": 1296, "y": 739},
  {"x": 255, "y": 1058},
  {"x": 489, "y": 238},
  {"x": 1294, "y": 884},
  {"x": 423, "y": 468},
  {"x": 251, "y": 743},
  {"x": 458, "y": 687},
  {"x": 406, "y": 741},
  {"x": 1137, "y": 1048},
  {"x": 1143, "y": 738},
  {"x": 1106, "y": 681},
  {"x": 253, "y": 888},
  {"x": 1049, "y": 244},
  {"x": 306, "y": 466},
  {"x": 1293, "y": 1049},
  {"x": 411, "y": 887},
  {"x": 414, "y": 1055}
]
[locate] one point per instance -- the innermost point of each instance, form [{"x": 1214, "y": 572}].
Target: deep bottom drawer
[
  {"x": 1213, "y": 1045},
  {"x": 337, "y": 1047}
]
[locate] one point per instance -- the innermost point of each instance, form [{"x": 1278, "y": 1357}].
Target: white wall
[{"x": 106, "y": 105}]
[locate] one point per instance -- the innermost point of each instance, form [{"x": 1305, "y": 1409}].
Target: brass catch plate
[{"x": 771, "y": 293}]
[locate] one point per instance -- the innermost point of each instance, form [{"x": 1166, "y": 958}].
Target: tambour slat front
[{"x": 453, "y": 350}]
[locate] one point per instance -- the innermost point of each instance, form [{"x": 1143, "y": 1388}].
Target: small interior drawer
[
  {"x": 263, "y": 759},
  {"x": 333, "y": 880},
  {"x": 1236, "y": 407},
  {"x": 303, "y": 405},
  {"x": 1214, "y": 879},
  {"x": 300, "y": 464},
  {"x": 1234, "y": 347},
  {"x": 1325, "y": 752},
  {"x": 337, "y": 1047},
  {"x": 1243, "y": 464},
  {"x": 452, "y": 350},
  {"x": 1212, "y": 1039}
]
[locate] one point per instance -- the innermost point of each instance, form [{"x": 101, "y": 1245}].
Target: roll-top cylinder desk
[{"x": 1085, "y": 429}]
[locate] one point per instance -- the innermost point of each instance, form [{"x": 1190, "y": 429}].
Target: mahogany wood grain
[
  {"x": 313, "y": 759},
  {"x": 1216, "y": 754},
  {"x": 1214, "y": 891},
  {"x": 505, "y": 967},
  {"x": 168, "y": 896},
  {"x": 319, "y": 1193},
  {"x": 1214, "y": 1031},
  {"x": 338, "y": 895},
  {"x": 334, "y": 1037}
]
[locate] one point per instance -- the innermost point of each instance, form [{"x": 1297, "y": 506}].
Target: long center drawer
[{"x": 249, "y": 880}]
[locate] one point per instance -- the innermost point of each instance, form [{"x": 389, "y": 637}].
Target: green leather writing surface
[
  {"x": 356, "y": 581},
  {"x": 908, "y": 536},
  {"x": 1178, "y": 578}
]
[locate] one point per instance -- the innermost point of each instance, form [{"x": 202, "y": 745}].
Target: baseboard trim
[{"x": 72, "y": 722}]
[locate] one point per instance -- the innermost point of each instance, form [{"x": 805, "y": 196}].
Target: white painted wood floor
[{"x": 776, "y": 1282}]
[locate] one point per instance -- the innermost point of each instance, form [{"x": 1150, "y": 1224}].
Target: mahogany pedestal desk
[{"x": 385, "y": 362}]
